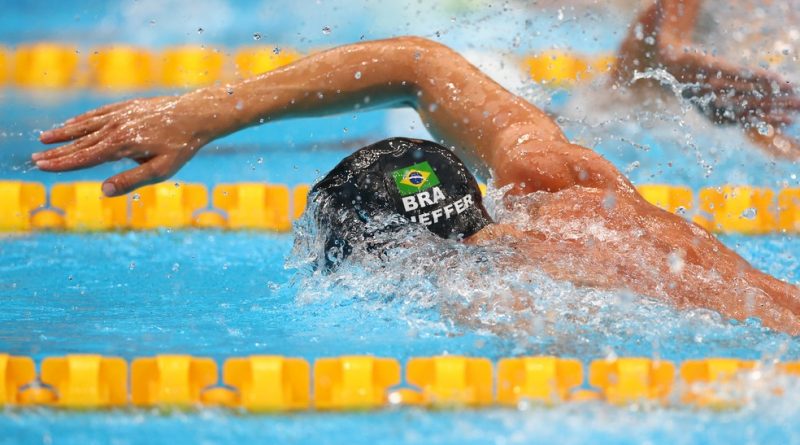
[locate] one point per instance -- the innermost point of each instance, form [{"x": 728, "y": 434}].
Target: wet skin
[
  {"x": 759, "y": 101},
  {"x": 590, "y": 226}
]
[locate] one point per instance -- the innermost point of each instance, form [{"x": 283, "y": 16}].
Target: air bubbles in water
[
  {"x": 764, "y": 129},
  {"x": 326, "y": 30},
  {"x": 256, "y": 36},
  {"x": 200, "y": 30},
  {"x": 276, "y": 50},
  {"x": 357, "y": 75},
  {"x": 749, "y": 213}
]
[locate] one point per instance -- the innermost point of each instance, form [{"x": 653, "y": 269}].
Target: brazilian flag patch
[{"x": 414, "y": 179}]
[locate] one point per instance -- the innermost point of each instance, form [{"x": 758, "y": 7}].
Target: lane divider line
[
  {"x": 81, "y": 206},
  {"x": 269, "y": 383}
]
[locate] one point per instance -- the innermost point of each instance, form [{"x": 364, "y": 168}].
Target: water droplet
[
  {"x": 276, "y": 50},
  {"x": 676, "y": 262},
  {"x": 136, "y": 197},
  {"x": 326, "y": 30},
  {"x": 432, "y": 107},
  {"x": 239, "y": 105},
  {"x": 609, "y": 201},
  {"x": 256, "y": 36},
  {"x": 764, "y": 129},
  {"x": 260, "y": 161},
  {"x": 132, "y": 266},
  {"x": 649, "y": 40},
  {"x": 200, "y": 30},
  {"x": 229, "y": 90},
  {"x": 176, "y": 267},
  {"x": 749, "y": 213},
  {"x": 639, "y": 31},
  {"x": 357, "y": 75}
]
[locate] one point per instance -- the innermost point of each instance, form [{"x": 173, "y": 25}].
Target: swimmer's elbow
[
  {"x": 421, "y": 43},
  {"x": 420, "y": 61},
  {"x": 425, "y": 53}
]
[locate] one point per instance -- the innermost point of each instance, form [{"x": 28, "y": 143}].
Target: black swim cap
[{"x": 421, "y": 181}]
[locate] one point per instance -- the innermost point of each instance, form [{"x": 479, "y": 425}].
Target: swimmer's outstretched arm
[
  {"x": 759, "y": 101},
  {"x": 460, "y": 105}
]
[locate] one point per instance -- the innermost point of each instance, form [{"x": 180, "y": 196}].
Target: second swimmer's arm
[{"x": 460, "y": 105}]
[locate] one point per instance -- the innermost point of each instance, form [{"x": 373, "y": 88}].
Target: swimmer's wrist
[{"x": 218, "y": 111}]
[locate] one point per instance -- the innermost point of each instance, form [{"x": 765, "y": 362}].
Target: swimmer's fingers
[
  {"x": 73, "y": 130},
  {"x": 778, "y": 119},
  {"x": 85, "y": 123},
  {"x": 151, "y": 171},
  {"x": 776, "y": 143},
  {"x": 84, "y": 142},
  {"x": 764, "y": 81},
  {"x": 79, "y": 159},
  {"x": 728, "y": 105},
  {"x": 789, "y": 102},
  {"x": 755, "y": 88},
  {"x": 89, "y": 129},
  {"x": 775, "y": 111},
  {"x": 100, "y": 111}
]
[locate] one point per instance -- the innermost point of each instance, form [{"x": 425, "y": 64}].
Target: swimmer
[
  {"x": 588, "y": 224},
  {"x": 759, "y": 101}
]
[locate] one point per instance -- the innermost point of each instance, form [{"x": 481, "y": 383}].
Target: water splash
[{"x": 444, "y": 287}]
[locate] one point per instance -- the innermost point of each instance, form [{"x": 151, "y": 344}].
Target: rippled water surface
[
  {"x": 227, "y": 294},
  {"x": 223, "y": 294}
]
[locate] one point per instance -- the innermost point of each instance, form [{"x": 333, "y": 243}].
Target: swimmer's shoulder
[{"x": 496, "y": 233}]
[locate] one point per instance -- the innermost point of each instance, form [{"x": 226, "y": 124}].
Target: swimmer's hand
[
  {"x": 160, "y": 133},
  {"x": 758, "y": 100}
]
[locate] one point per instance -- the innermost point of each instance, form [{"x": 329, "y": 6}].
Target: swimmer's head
[{"x": 390, "y": 184}]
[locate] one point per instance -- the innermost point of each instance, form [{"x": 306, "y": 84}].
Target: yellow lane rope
[
  {"x": 50, "y": 65},
  {"x": 81, "y": 206},
  {"x": 121, "y": 67},
  {"x": 265, "y": 383}
]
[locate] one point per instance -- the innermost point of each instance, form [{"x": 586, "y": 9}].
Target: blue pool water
[
  {"x": 227, "y": 294},
  {"x": 223, "y": 294}
]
